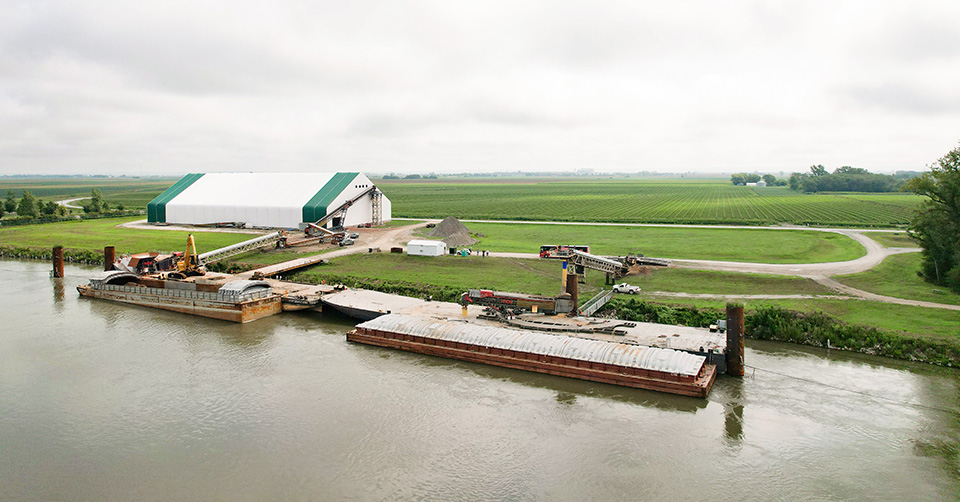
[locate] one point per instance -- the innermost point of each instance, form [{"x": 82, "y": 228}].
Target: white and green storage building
[{"x": 275, "y": 200}]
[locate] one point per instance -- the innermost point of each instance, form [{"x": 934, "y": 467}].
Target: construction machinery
[
  {"x": 190, "y": 263},
  {"x": 502, "y": 305}
]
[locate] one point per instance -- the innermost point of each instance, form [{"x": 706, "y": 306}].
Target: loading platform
[{"x": 365, "y": 305}]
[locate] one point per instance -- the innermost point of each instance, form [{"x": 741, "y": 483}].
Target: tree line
[
  {"x": 843, "y": 179},
  {"x": 29, "y": 206}
]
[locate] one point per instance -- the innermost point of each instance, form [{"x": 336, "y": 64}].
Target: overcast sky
[{"x": 171, "y": 87}]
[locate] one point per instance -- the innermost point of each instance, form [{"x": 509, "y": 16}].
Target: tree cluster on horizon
[{"x": 843, "y": 179}]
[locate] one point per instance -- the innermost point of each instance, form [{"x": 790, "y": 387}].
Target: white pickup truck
[{"x": 626, "y": 288}]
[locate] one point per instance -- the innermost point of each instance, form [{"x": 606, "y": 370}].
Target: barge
[
  {"x": 234, "y": 300},
  {"x": 651, "y": 368}
]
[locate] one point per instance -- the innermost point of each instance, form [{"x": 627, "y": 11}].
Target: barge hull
[
  {"x": 241, "y": 312},
  {"x": 597, "y": 372}
]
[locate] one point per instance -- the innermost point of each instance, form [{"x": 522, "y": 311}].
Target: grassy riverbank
[
  {"x": 445, "y": 278},
  {"x": 726, "y": 244}
]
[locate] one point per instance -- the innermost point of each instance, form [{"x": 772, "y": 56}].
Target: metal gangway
[
  {"x": 241, "y": 247},
  {"x": 596, "y": 303}
]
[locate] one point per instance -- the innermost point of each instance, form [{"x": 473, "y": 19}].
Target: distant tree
[
  {"x": 936, "y": 225},
  {"x": 850, "y": 170},
  {"x": 96, "y": 204},
  {"x": 10, "y": 204},
  {"x": 769, "y": 179},
  {"x": 738, "y": 179},
  {"x": 795, "y": 181},
  {"x": 28, "y": 206},
  {"x": 818, "y": 170},
  {"x": 49, "y": 208}
]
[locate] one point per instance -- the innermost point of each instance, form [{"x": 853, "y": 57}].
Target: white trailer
[{"x": 426, "y": 248}]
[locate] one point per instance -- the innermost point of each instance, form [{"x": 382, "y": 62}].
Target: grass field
[
  {"x": 543, "y": 277},
  {"x": 134, "y": 193},
  {"x": 892, "y": 239},
  {"x": 931, "y": 324},
  {"x": 751, "y": 245},
  {"x": 95, "y": 234},
  {"x": 680, "y": 280},
  {"x": 642, "y": 201},
  {"x": 896, "y": 276},
  {"x": 506, "y": 274}
]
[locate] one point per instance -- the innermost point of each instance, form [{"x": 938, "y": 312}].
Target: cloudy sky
[{"x": 171, "y": 87}]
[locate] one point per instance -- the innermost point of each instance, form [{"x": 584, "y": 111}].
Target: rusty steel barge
[
  {"x": 650, "y": 368},
  {"x": 236, "y": 300}
]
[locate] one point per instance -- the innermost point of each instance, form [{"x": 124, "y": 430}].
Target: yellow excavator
[{"x": 189, "y": 264}]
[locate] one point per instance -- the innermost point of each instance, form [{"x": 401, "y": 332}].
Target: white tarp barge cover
[{"x": 648, "y": 358}]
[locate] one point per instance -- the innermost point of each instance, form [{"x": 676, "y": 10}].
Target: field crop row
[{"x": 641, "y": 202}]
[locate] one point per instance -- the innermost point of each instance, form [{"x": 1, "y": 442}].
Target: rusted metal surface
[
  {"x": 188, "y": 302},
  {"x": 735, "y": 340},
  {"x": 109, "y": 257},
  {"x": 58, "y": 261},
  {"x": 696, "y": 386}
]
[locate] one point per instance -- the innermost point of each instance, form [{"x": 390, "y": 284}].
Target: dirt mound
[{"x": 452, "y": 232}]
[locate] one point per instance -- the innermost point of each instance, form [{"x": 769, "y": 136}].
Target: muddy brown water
[{"x": 101, "y": 401}]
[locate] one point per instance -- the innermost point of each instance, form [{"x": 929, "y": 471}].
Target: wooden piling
[
  {"x": 109, "y": 256},
  {"x": 735, "y": 339},
  {"x": 58, "y": 261}
]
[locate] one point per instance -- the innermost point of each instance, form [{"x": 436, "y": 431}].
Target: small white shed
[{"x": 426, "y": 248}]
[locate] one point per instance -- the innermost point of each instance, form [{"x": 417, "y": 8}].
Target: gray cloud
[{"x": 448, "y": 86}]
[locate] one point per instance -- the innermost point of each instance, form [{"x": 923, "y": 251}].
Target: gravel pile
[{"x": 452, "y": 232}]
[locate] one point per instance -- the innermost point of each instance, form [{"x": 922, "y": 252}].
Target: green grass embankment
[
  {"x": 724, "y": 244},
  {"x": 816, "y": 328},
  {"x": 897, "y": 276},
  {"x": 870, "y": 327}
]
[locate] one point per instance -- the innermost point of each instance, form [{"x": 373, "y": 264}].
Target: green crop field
[
  {"x": 660, "y": 201},
  {"x": 134, "y": 193},
  {"x": 93, "y": 235},
  {"x": 730, "y": 244}
]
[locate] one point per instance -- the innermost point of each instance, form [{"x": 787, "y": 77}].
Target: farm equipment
[{"x": 502, "y": 305}]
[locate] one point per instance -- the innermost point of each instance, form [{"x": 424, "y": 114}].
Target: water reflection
[
  {"x": 58, "y": 293},
  {"x": 733, "y": 411}
]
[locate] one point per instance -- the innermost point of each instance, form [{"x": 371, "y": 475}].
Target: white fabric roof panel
[
  {"x": 263, "y": 199},
  {"x": 649, "y": 358}
]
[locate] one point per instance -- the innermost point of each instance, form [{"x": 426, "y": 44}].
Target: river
[{"x": 102, "y": 401}]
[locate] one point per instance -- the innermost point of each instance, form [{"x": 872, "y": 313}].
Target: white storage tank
[{"x": 426, "y": 248}]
